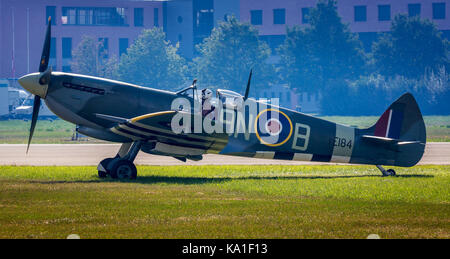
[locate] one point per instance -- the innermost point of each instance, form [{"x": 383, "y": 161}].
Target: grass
[
  {"x": 59, "y": 131},
  {"x": 46, "y": 132},
  {"x": 226, "y": 202}
]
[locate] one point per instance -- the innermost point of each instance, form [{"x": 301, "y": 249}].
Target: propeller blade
[
  {"x": 247, "y": 90},
  {"x": 46, "y": 49},
  {"x": 36, "y": 106}
]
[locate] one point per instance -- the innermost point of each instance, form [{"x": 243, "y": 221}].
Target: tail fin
[
  {"x": 402, "y": 120},
  {"x": 398, "y": 138}
]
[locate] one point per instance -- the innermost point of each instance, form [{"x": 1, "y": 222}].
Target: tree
[
  {"x": 322, "y": 54},
  {"x": 228, "y": 54},
  {"x": 91, "y": 58},
  {"x": 152, "y": 61},
  {"x": 412, "y": 47}
]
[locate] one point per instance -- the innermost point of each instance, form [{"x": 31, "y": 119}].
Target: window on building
[
  {"x": 50, "y": 12},
  {"x": 384, "y": 13},
  {"x": 413, "y": 10},
  {"x": 203, "y": 19},
  {"x": 279, "y": 16},
  {"x": 305, "y": 14},
  {"x": 123, "y": 46},
  {"x": 94, "y": 16},
  {"x": 84, "y": 16},
  {"x": 103, "y": 47},
  {"x": 53, "y": 48},
  {"x": 256, "y": 17},
  {"x": 138, "y": 17},
  {"x": 66, "y": 47},
  {"x": 156, "y": 17},
  {"x": 360, "y": 13},
  {"x": 52, "y": 60},
  {"x": 438, "y": 11}
]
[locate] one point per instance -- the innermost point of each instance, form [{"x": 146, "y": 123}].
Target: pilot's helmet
[{"x": 206, "y": 94}]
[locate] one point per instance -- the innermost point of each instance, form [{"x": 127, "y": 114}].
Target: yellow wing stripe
[{"x": 146, "y": 116}]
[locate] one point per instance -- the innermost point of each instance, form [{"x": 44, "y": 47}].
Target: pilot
[{"x": 207, "y": 106}]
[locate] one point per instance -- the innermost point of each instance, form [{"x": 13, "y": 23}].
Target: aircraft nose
[{"x": 31, "y": 83}]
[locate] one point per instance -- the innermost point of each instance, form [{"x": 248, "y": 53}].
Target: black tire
[
  {"x": 102, "y": 174},
  {"x": 105, "y": 163},
  {"x": 123, "y": 169},
  {"x": 391, "y": 172}
]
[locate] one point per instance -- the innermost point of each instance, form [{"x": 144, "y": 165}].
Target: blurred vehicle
[
  {"x": 25, "y": 110},
  {"x": 16, "y": 97}
]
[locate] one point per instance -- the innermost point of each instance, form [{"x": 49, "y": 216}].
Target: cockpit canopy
[{"x": 230, "y": 99}]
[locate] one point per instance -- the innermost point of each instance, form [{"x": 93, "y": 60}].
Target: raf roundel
[{"x": 273, "y": 127}]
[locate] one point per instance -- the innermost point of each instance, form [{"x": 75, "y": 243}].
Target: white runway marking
[{"x": 92, "y": 154}]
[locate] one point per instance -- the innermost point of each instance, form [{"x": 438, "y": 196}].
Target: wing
[{"x": 156, "y": 127}]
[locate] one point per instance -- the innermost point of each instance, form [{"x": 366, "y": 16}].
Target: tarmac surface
[{"x": 437, "y": 153}]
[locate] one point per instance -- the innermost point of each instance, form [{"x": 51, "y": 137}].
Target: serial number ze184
[{"x": 342, "y": 142}]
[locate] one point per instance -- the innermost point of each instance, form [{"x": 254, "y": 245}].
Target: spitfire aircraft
[{"x": 142, "y": 119}]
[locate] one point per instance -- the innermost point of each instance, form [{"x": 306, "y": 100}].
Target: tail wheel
[
  {"x": 390, "y": 172},
  {"x": 123, "y": 169}
]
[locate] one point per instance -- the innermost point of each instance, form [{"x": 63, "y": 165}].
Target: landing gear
[
  {"x": 121, "y": 166},
  {"x": 103, "y": 167},
  {"x": 102, "y": 174},
  {"x": 389, "y": 172},
  {"x": 123, "y": 169}
]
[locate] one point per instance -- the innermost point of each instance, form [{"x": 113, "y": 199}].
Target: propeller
[
  {"x": 247, "y": 90},
  {"x": 44, "y": 79},
  {"x": 46, "y": 49}
]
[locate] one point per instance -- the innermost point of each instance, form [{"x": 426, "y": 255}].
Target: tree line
[{"x": 324, "y": 57}]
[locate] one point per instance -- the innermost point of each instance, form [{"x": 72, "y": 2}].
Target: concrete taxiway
[{"x": 90, "y": 154}]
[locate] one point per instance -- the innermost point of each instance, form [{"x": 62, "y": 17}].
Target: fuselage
[{"x": 79, "y": 99}]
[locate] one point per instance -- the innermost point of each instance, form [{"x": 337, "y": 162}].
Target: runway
[{"x": 90, "y": 154}]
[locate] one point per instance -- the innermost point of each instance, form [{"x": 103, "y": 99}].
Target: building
[
  {"x": 365, "y": 17},
  {"x": 23, "y": 22},
  {"x": 117, "y": 23}
]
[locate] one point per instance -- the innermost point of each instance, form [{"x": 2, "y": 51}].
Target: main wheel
[
  {"x": 123, "y": 169},
  {"x": 390, "y": 172},
  {"x": 102, "y": 174},
  {"x": 103, "y": 167}
]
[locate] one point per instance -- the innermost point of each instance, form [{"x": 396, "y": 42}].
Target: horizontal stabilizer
[{"x": 393, "y": 144}]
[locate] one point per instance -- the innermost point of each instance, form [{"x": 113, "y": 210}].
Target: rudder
[{"x": 402, "y": 120}]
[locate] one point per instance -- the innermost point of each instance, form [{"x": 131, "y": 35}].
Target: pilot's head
[{"x": 206, "y": 94}]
